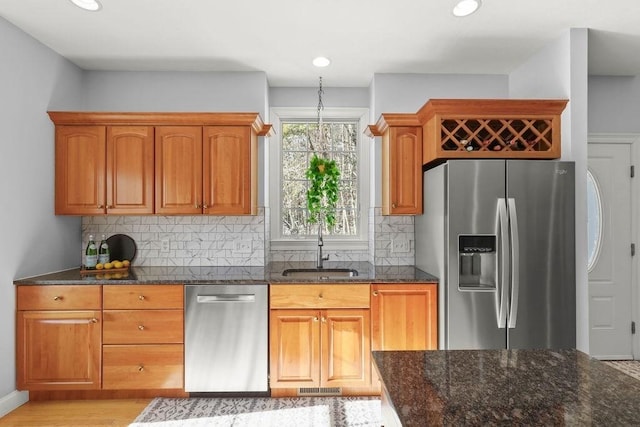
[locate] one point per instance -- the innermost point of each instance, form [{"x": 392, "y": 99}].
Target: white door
[{"x": 610, "y": 293}]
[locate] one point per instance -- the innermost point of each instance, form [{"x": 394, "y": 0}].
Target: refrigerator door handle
[
  {"x": 501, "y": 293},
  {"x": 515, "y": 262}
]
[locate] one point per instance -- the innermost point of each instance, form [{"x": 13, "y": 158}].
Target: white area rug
[{"x": 262, "y": 412}]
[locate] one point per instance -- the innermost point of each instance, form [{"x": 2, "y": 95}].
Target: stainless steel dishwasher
[{"x": 226, "y": 338}]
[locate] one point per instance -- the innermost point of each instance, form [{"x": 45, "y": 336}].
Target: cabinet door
[
  {"x": 228, "y": 170},
  {"x": 130, "y": 170},
  {"x": 346, "y": 351},
  {"x": 404, "y": 317},
  {"x": 58, "y": 350},
  {"x": 294, "y": 348},
  {"x": 178, "y": 158},
  {"x": 80, "y": 170},
  {"x": 402, "y": 190}
]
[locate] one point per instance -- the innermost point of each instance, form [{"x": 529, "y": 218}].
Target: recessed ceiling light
[
  {"x": 91, "y": 5},
  {"x": 466, "y": 7},
  {"x": 321, "y": 61}
]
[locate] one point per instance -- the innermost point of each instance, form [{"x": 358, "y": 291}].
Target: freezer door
[
  {"x": 473, "y": 191},
  {"x": 541, "y": 196}
]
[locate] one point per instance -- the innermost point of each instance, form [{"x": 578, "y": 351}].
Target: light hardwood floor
[{"x": 94, "y": 413}]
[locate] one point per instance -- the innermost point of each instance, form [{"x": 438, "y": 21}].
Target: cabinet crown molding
[{"x": 161, "y": 118}]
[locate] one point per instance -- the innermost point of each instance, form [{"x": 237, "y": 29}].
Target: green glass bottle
[
  {"x": 103, "y": 251},
  {"x": 91, "y": 254}
]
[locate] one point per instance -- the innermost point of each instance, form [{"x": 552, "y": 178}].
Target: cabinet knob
[
  {"x": 141, "y": 297},
  {"x": 141, "y": 327},
  {"x": 58, "y": 298},
  {"x": 94, "y": 320},
  {"x": 100, "y": 206},
  {"x": 393, "y": 205},
  {"x": 205, "y": 206},
  {"x": 109, "y": 206},
  {"x": 197, "y": 206},
  {"x": 324, "y": 319},
  {"x": 320, "y": 296},
  {"x": 315, "y": 319},
  {"x": 375, "y": 293},
  {"x": 140, "y": 368}
]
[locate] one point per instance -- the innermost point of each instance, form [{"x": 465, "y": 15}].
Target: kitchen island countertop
[
  {"x": 367, "y": 273},
  {"x": 505, "y": 387}
]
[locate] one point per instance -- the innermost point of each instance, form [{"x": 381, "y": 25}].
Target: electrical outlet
[
  {"x": 165, "y": 246},
  {"x": 242, "y": 246},
  {"x": 400, "y": 245}
]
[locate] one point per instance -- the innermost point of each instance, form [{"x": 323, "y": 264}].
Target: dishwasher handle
[{"x": 210, "y": 299}]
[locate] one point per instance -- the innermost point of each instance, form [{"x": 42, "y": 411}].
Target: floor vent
[{"x": 320, "y": 391}]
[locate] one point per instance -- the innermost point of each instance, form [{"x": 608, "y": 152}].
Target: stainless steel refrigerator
[{"x": 500, "y": 235}]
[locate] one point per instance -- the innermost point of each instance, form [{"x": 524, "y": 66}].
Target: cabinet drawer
[
  {"x": 132, "y": 367},
  {"x": 142, "y": 327},
  {"x": 132, "y": 297},
  {"x": 58, "y": 297},
  {"x": 319, "y": 296}
]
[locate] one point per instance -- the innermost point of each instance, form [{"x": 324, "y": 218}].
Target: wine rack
[
  {"x": 496, "y": 135},
  {"x": 527, "y": 129}
]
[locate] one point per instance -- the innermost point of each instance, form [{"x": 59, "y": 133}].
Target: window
[
  {"x": 594, "y": 220},
  {"x": 296, "y": 141}
]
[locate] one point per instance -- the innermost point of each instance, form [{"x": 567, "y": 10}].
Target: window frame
[{"x": 280, "y": 242}]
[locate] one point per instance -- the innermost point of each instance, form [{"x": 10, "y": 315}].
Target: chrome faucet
[{"x": 321, "y": 258}]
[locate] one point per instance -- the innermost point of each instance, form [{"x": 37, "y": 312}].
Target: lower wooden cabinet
[
  {"x": 404, "y": 316},
  {"x": 319, "y": 336},
  {"x": 320, "y": 348},
  {"x": 143, "y": 337},
  {"x": 133, "y": 367},
  {"x": 99, "y": 338},
  {"x": 58, "y": 338}
]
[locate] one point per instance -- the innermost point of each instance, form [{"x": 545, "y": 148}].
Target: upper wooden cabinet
[
  {"x": 104, "y": 169},
  {"x": 460, "y": 129},
  {"x": 163, "y": 163},
  {"x": 401, "y": 164},
  {"x": 178, "y": 170}
]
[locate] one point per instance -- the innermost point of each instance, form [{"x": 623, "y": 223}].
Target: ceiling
[{"x": 361, "y": 37}]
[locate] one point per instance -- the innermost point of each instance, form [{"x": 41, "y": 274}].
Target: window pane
[
  {"x": 300, "y": 141},
  {"x": 594, "y": 220}
]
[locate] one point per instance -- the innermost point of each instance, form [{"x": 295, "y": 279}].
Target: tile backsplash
[
  {"x": 193, "y": 240},
  {"x": 240, "y": 240}
]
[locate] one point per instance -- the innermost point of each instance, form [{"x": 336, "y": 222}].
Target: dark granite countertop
[
  {"x": 507, "y": 387},
  {"x": 367, "y": 273}
]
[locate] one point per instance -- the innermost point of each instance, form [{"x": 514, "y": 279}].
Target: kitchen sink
[{"x": 320, "y": 273}]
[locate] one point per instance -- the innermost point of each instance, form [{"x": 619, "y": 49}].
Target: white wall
[
  {"x": 33, "y": 80},
  {"x": 560, "y": 71},
  {"x": 614, "y": 104}
]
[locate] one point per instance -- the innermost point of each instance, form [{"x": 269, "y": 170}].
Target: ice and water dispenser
[{"x": 477, "y": 262}]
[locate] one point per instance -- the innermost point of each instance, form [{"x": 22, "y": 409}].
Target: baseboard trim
[{"x": 12, "y": 401}]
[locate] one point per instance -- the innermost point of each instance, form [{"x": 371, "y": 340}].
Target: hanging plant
[{"x": 322, "y": 195}]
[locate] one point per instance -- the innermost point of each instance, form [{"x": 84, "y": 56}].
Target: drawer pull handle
[
  {"x": 140, "y": 368},
  {"x": 375, "y": 293},
  {"x": 94, "y": 320},
  {"x": 58, "y": 298},
  {"x": 141, "y": 297},
  {"x": 141, "y": 327}
]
